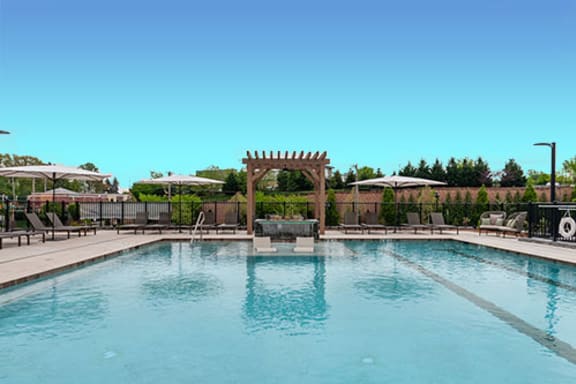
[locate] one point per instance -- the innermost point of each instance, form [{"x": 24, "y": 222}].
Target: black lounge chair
[
  {"x": 350, "y": 222},
  {"x": 164, "y": 222},
  {"x": 39, "y": 226},
  {"x": 230, "y": 222},
  {"x": 139, "y": 223},
  {"x": 19, "y": 234},
  {"x": 414, "y": 222},
  {"x": 209, "y": 222},
  {"x": 439, "y": 224},
  {"x": 371, "y": 223},
  {"x": 53, "y": 217}
]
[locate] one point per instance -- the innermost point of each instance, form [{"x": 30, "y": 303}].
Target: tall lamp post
[
  {"x": 553, "y": 169},
  {"x": 5, "y": 200}
]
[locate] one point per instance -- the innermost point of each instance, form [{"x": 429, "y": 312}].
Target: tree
[
  {"x": 452, "y": 173},
  {"x": 408, "y": 170},
  {"x": 437, "y": 171},
  {"x": 231, "y": 185},
  {"x": 332, "y": 215},
  {"x": 482, "y": 201},
  {"x": 529, "y": 194},
  {"x": 388, "y": 208},
  {"x": 336, "y": 181},
  {"x": 366, "y": 173},
  {"x": 423, "y": 170},
  {"x": 512, "y": 175},
  {"x": 569, "y": 167},
  {"x": 483, "y": 173},
  {"x": 350, "y": 177}
]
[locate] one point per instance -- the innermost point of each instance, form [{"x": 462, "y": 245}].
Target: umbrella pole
[
  {"x": 53, "y": 201},
  {"x": 180, "y": 208}
]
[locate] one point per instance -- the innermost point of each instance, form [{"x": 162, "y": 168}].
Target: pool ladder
[{"x": 199, "y": 222}]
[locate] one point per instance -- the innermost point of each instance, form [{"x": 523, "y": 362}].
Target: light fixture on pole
[{"x": 552, "y": 170}]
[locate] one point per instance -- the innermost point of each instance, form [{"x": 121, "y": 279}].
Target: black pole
[
  {"x": 553, "y": 173},
  {"x": 180, "y": 208},
  {"x": 53, "y": 201}
]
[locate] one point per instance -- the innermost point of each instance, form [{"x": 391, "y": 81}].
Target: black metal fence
[{"x": 556, "y": 222}]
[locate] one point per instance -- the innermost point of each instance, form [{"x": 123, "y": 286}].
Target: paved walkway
[{"x": 28, "y": 262}]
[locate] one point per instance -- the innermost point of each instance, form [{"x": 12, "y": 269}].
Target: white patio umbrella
[
  {"x": 397, "y": 182},
  {"x": 180, "y": 180},
  {"x": 52, "y": 172}
]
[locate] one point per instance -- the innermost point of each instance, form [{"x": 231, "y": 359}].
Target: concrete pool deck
[{"x": 29, "y": 262}]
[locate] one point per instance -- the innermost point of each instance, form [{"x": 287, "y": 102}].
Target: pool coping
[{"x": 23, "y": 264}]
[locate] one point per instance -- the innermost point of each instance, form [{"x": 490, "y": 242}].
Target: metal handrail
[{"x": 199, "y": 221}]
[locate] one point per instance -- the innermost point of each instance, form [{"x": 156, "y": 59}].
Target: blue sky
[{"x": 179, "y": 85}]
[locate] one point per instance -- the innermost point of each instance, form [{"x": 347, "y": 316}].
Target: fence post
[
  {"x": 530, "y": 218},
  {"x": 554, "y": 222}
]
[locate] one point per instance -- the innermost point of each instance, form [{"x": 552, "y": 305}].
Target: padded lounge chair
[
  {"x": 139, "y": 223},
  {"x": 263, "y": 244},
  {"x": 350, "y": 222},
  {"x": 39, "y": 226},
  {"x": 439, "y": 224},
  {"x": 371, "y": 223},
  {"x": 230, "y": 223},
  {"x": 304, "y": 245},
  {"x": 414, "y": 222},
  {"x": 53, "y": 217},
  {"x": 512, "y": 224}
]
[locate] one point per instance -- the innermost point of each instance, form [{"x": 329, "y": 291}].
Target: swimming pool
[{"x": 365, "y": 312}]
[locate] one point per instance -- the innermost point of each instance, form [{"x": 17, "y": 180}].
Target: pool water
[{"x": 362, "y": 312}]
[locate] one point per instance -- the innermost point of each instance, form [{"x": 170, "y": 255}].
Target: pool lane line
[
  {"x": 516, "y": 270},
  {"x": 559, "y": 347}
]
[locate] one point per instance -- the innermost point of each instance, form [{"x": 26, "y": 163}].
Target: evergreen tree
[
  {"x": 437, "y": 172},
  {"x": 452, "y": 173},
  {"x": 336, "y": 181},
  {"x": 543, "y": 197},
  {"x": 388, "y": 208},
  {"x": 483, "y": 173},
  {"x": 423, "y": 170},
  {"x": 350, "y": 177},
  {"x": 408, "y": 170},
  {"x": 512, "y": 175},
  {"x": 332, "y": 215},
  {"x": 231, "y": 185},
  {"x": 482, "y": 201},
  {"x": 529, "y": 194}
]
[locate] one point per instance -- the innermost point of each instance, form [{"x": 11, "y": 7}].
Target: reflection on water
[
  {"x": 183, "y": 287},
  {"x": 285, "y": 293},
  {"x": 53, "y": 313},
  {"x": 395, "y": 286}
]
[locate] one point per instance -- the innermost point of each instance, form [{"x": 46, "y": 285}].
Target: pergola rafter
[{"x": 312, "y": 165}]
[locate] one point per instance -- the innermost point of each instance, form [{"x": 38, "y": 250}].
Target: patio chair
[
  {"x": 55, "y": 219},
  {"x": 350, "y": 222},
  {"x": 371, "y": 223},
  {"x": 164, "y": 222},
  {"x": 439, "y": 224},
  {"x": 304, "y": 245},
  {"x": 414, "y": 222},
  {"x": 230, "y": 222},
  {"x": 139, "y": 223},
  {"x": 39, "y": 226},
  {"x": 263, "y": 244},
  {"x": 19, "y": 234},
  {"x": 502, "y": 225},
  {"x": 209, "y": 222}
]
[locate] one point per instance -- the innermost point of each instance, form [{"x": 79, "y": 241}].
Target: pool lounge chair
[
  {"x": 164, "y": 222},
  {"x": 209, "y": 222},
  {"x": 139, "y": 223},
  {"x": 230, "y": 223},
  {"x": 304, "y": 245},
  {"x": 414, "y": 222},
  {"x": 350, "y": 222},
  {"x": 39, "y": 226},
  {"x": 438, "y": 223},
  {"x": 19, "y": 234},
  {"x": 371, "y": 223},
  {"x": 263, "y": 245},
  {"x": 53, "y": 217}
]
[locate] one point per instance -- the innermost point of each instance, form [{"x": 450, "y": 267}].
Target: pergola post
[{"x": 312, "y": 165}]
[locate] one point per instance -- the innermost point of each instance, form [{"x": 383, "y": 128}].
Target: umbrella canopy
[
  {"x": 396, "y": 182},
  {"x": 52, "y": 172},
  {"x": 180, "y": 180}
]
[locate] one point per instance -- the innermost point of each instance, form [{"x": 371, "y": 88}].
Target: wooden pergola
[{"x": 313, "y": 166}]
